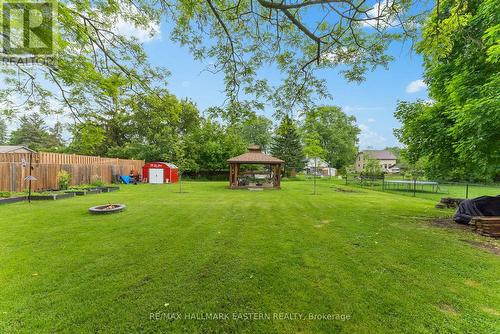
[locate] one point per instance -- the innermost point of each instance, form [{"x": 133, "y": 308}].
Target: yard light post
[
  {"x": 30, "y": 177},
  {"x": 29, "y": 191}
]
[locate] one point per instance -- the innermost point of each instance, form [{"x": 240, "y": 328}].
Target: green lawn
[{"x": 366, "y": 255}]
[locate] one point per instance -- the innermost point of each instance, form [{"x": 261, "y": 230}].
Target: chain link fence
[{"x": 430, "y": 189}]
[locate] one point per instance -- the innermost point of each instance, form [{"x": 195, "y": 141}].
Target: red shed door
[{"x": 155, "y": 175}]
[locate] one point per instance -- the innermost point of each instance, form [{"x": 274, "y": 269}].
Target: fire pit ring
[{"x": 107, "y": 208}]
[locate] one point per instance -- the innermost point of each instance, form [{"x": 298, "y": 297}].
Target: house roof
[
  {"x": 255, "y": 156},
  {"x": 15, "y": 149},
  {"x": 379, "y": 154}
]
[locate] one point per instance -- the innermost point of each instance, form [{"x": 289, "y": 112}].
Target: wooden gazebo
[{"x": 254, "y": 156}]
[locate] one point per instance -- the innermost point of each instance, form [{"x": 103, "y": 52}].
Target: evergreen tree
[
  {"x": 32, "y": 132},
  {"x": 3, "y": 132},
  {"x": 287, "y": 145},
  {"x": 55, "y": 141}
]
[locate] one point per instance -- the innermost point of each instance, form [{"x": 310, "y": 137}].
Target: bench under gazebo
[{"x": 239, "y": 179}]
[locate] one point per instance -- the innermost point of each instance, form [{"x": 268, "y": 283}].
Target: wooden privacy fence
[{"x": 14, "y": 168}]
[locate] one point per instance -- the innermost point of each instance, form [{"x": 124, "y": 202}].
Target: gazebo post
[
  {"x": 236, "y": 172},
  {"x": 275, "y": 175},
  {"x": 278, "y": 170}
]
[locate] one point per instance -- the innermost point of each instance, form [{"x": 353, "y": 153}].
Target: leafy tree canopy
[
  {"x": 257, "y": 130},
  {"x": 455, "y": 134},
  {"x": 94, "y": 63},
  {"x": 212, "y": 144},
  {"x": 372, "y": 167},
  {"x": 337, "y": 134}
]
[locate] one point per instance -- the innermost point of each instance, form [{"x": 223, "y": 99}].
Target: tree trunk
[
  {"x": 180, "y": 182},
  {"x": 315, "y": 171}
]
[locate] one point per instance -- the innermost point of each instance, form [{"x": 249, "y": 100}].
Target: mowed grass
[{"x": 367, "y": 255}]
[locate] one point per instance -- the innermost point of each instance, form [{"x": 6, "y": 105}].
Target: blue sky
[{"x": 372, "y": 102}]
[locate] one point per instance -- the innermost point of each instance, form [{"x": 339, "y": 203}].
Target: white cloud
[
  {"x": 143, "y": 34},
  {"x": 370, "y": 138},
  {"x": 371, "y": 120},
  {"x": 121, "y": 24},
  {"x": 416, "y": 86},
  {"x": 341, "y": 55},
  {"x": 381, "y": 15}
]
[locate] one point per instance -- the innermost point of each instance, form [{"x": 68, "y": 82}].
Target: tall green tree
[
  {"x": 315, "y": 151},
  {"x": 257, "y": 130},
  {"x": 212, "y": 144},
  {"x": 155, "y": 123},
  {"x": 337, "y": 134},
  {"x": 88, "y": 139},
  {"x": 32, "y": 132},
  {"x": 455, "y": 133},
  {"x": 287, "y": 145},
  {"x": 3, "y": 132},
  {"x": 372, "y": 167},
  {"x": 55, "y": 139}
]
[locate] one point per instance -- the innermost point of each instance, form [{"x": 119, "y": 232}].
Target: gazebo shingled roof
[{"x": 255, "y": 156}]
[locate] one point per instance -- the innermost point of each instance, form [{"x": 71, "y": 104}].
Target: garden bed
[
  {"x": 83, "y": 192},
  {"x": 12, "y": 199},
  {"x": 55, "y": 195},
  {"x": 76, "y": 192},
  {"x": 52, "y": 196},
  {"x": 109, "y": 189}
]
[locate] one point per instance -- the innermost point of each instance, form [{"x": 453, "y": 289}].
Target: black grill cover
[{"x": 480, "y": 206}]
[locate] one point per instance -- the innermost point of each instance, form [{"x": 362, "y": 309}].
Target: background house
[
  {"x": 321, "y": 169},
  {"x": 386, "y": 159}
]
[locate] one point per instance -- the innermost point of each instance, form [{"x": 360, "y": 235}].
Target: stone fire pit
[{"x": 107, "y": 208}]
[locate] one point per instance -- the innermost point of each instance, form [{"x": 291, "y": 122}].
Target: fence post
[
  {"x": 414, "y": 187},
  {"x": 467, "y": 191},
  {"x": 383, "y": 182}
]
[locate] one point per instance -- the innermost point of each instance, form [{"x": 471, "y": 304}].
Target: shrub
[
  {"x": 97, "y": 182},
  {"x": 63, "y": 179},
  {"x": 5, "y": 194}
]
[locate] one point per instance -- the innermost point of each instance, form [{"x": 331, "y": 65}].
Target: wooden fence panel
[{"x": 14, "y": 168}]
